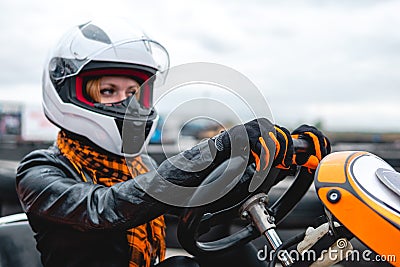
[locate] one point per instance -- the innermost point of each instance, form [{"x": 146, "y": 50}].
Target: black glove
[
  {"x": 255, "y": 139},
  {"x": 284, "y": 148},
  {"x": 320, "y": 146}
]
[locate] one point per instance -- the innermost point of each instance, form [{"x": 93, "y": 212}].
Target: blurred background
[{"x": 331, "y": 63}]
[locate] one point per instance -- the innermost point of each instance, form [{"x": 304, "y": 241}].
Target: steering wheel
[{"x": 197, "y": 221}]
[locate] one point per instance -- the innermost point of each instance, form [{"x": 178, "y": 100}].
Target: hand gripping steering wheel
[{"x": 197, "y": 221}]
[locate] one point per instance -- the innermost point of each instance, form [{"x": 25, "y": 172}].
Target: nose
[{"x": 122, "y": 95}]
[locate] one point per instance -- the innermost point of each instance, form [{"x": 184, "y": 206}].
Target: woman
[{"x": 91, "y": 198}]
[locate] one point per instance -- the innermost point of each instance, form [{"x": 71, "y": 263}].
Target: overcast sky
[{"x": 332, "y": 61}]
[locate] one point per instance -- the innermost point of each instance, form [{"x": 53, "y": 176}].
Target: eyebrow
[
  {"x": 114, "y": 85},
  {"x": 107, "y": 83}
]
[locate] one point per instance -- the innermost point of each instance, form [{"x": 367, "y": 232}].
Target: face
[{"x": 117, "y": 88}]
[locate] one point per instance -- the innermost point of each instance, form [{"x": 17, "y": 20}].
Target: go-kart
[
  {"x": 360, "y": 193},
  {"x": 361, "y": 196}
]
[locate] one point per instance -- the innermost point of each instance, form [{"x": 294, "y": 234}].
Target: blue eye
[{"x": 107, "y": 91}]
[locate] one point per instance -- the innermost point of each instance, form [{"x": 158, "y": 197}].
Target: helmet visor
[{"x": 61, "y": 67}]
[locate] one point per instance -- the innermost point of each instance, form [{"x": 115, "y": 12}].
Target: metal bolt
[
  {"x": 334, "y": 195},
  {"x": 271, "y": 219},
  {"x": 244, "y": 215}
]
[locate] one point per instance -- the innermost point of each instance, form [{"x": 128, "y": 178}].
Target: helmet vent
[{"x": 95, "y": 33}]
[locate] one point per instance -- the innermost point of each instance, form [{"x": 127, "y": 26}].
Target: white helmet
[{"x": 94, "y": 49}]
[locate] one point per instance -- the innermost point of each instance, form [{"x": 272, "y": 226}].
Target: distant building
[{"x": 21, "y": 122}]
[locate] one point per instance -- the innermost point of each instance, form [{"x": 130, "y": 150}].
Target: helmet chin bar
[{"x": 134, "y": 135}]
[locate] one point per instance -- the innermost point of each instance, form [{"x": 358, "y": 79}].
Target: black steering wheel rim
[{"x": 195, "y": 222}]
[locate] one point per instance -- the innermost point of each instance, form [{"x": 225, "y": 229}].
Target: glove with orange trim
[
  {"x": 260, "y": 135},
  {"x": 319, "y": 149},
  {"x": 284, "y": 148}
]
